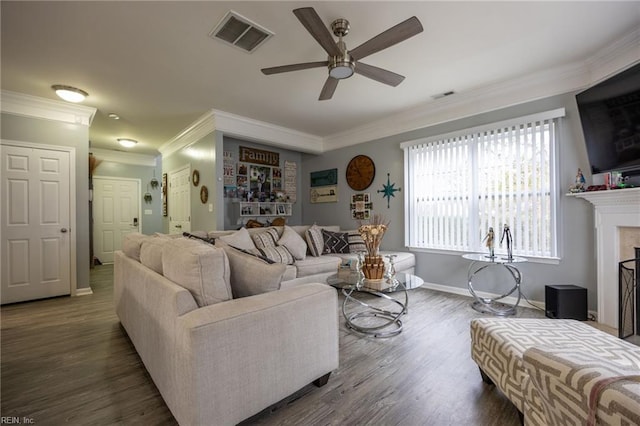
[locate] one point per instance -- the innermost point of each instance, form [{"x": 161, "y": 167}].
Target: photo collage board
[{"x": 257, "y": 176}]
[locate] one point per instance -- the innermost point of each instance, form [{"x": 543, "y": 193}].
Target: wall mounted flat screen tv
[{"x": 610, "y": 116}]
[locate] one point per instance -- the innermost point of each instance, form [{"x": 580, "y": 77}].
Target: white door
[
  {"x": 180, "y": 201},
  {"x": 116, "y": 212},
  {"x": 36, "y": 223}
]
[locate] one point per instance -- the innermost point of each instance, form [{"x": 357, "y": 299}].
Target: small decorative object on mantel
[
  {"x": 372, "y": 233},
  {"x": 490, "y": 242},
  {"x": 579, "y": 184},
  {"x": 388, "y": 190}
]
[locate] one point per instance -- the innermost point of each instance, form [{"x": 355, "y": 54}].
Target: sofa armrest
[
  {"x": 254, "y": 351},
  {"x": 571, "y": 383}
]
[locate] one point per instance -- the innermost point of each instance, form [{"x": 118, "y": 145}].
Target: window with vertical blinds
[{"x": 459, "y": 185}]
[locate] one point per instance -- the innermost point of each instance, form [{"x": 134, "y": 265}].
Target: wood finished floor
[{"x": 68, "y": 361}]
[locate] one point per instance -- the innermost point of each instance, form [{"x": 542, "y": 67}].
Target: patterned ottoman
[{"x": 551, "y": 369}]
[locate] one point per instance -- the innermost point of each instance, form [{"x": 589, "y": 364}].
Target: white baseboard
[
  {"x": 86, "y": 291},
  {"x": 465, "y": 292}
]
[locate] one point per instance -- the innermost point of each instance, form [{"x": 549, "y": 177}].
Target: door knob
[{"x": 63, "y": 230}]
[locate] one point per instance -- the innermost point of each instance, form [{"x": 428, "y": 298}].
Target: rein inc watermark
[{"x": 15, "y": 420}]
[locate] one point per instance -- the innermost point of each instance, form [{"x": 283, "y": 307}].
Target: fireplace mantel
[{"x": 613, "y": 209}]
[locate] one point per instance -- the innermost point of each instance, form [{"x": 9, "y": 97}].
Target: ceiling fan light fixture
[
  {"x": 341, "y": 68},
  {"x": 69, "y": 93},
  {"x": 127, "y": 143}
]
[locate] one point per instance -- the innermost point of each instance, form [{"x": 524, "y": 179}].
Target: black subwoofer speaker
[{"x": 566, "y": 301}]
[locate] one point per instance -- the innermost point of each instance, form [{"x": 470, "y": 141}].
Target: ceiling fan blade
[
  {"x": 312, "y": 22},
  {"x": 379, "y": 74},
  {"x": 294, "y": 67},
  {"x": 328, "y": 89},
  {"x": 393, "y": 35}
]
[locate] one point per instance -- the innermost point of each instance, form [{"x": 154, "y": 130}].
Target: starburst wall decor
[{"x": 389, "y": 190}]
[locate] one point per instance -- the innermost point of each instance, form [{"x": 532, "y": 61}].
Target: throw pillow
[
  {"x": 240, "y": 239},
  {"x": 315, "y": 240},
  {"x": 132, "y": 243},
  {"x": 268, "y": 238},
  {"x": 151, "y": 252},
  {"x": 278, "y": 254},
  {"x": 293, "y": 242},
  {"x": 199, "y": 267},
  {"x": 335, "y": 242},
  {"x": 356, "y": 243},
  {"x": 250, "y": 275}
]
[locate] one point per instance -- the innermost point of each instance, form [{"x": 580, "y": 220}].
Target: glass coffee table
[{"x": 387, "y": 317}]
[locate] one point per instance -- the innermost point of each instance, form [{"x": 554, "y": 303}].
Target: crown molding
[
  {"x": 35, "y": 107},
  {"x": 619, "y": 55},
  {"x": 244, "y": 128},
  {"x": 190, "y": 135},
  {"x": 260, "y": 131},
  {"x": 124, "y": 157},
  {"x": 610, "y": 60}
]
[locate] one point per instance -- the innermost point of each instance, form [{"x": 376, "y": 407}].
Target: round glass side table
[{"x": 492, "y": 305}]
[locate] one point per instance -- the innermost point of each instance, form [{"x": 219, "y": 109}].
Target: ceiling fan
[{"x": 342, "y": 63}]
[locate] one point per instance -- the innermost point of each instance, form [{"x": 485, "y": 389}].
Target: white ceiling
[{"x": 153, "y": 64}]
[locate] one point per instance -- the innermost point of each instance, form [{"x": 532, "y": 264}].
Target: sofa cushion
[
  {"x": 278, "y": 254},
  {"x": 356, "y": 243},
  {"x": 317, "y": 265},
  {"x": 132, "y": 243},
  {"x": 294, "y": 243},
  {"x": 151, "y": 252},
  {"x": 315, "y": 241},
  {"x": 335, "y": 242},
  {"x": 240, "y": 239},
  {"x": 199, "y": 267},
  {"x": 267, "y": 238},
  {"x": 250, "y": 275}
]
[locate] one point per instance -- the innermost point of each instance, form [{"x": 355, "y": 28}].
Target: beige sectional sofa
[
  {"x": 559, "y": 372},
  {"x": 310, "y": 268},
  {"x": 215, "y": 357}
]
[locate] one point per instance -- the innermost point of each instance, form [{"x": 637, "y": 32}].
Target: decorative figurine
[
  {"x": 490, "y": 243},
  {"x": 506, "y": 233},
  {"x": 579, "y": 185},
  {"x": 390, "y": 274}
]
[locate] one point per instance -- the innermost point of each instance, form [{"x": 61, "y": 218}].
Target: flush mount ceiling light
[
  {"x": 114, "y": 116},
  {"x": 69, "y": 93},
  {"x": 127, "y": 143}
]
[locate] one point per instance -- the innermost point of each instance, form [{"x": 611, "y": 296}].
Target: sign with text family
[{"x": 259, "y": 156}]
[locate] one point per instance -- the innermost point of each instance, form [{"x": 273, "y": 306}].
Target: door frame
[
  {"x": 93, "y": 197},
  {"x": 73, "y": 273}
]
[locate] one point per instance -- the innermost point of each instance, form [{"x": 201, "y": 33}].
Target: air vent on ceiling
[
  {"x": 240, "y": 32},
  {"x": 443, "y": 95}
]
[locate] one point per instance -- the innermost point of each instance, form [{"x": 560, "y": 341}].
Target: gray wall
[
  {"x": 575, "y": 221},
  {"x": 150, "y": 223},
  {"x": 232, "y": 210},
  {"x": 49, "y": 132}
]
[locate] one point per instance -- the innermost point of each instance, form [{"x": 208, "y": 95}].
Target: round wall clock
[
  {"x": 360, "y": 172},
  {"x": 204, "y": 194},
  {"x": 195, "y": 178}
]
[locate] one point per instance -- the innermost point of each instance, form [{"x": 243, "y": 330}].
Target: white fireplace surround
[{"x": 613, "y": 209}]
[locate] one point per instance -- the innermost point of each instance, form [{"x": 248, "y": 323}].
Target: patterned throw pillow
[
  {"x": 268, "y": 238},
  {"x": 278, "y": 254},
  {"x": 315, "y": 240},
  {"x": 335, "y": 242},
  {"x": 356, "y": 243}
]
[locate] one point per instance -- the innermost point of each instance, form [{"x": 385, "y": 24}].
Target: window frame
[{"x": 555, "y": 192}]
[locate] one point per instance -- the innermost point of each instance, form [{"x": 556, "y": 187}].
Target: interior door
[
  {"x": 116, "y": 212},
  {"x": 36, "y": 223},
  {"x": 180, "y": 201}
]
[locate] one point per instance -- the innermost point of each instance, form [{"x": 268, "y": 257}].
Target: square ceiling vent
[{"x": 240, "y": 32}]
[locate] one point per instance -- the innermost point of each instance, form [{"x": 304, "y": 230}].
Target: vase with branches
[{"x": 372, "y": 232}]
